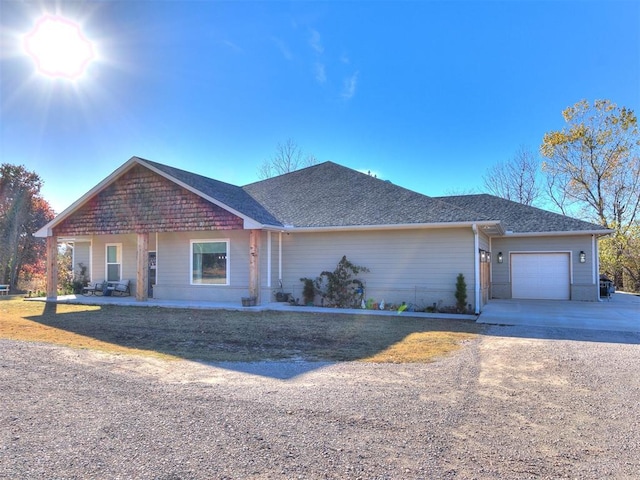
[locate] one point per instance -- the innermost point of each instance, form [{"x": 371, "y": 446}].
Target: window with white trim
[
  {"x": 113, "y": 261},
  {"x": 209, "y": 262}
]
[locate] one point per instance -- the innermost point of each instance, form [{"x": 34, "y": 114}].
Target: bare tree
[
  {"x": 516, "y": 179},
  {"x": 288, "y": 158}
]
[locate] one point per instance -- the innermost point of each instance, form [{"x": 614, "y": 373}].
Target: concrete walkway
[
  {"x": 281, "y": 307},
  {"x": 620, "y": 314}
]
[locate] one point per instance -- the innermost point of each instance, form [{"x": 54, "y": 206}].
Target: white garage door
[{"x": 540, "y": 276}]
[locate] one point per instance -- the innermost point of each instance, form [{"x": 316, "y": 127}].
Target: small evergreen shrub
[{"x": 461, "y": 294}]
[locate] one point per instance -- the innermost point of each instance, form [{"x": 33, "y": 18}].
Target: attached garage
[{"x": 544, "y": 276}]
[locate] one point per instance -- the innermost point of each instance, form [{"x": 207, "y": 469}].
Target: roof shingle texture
[
  {"x": 330, "y": 195},
  {"x": 230, "y": 195},
  {"x": 520, "y": 218}
]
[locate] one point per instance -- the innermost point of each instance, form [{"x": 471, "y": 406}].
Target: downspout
[
  {"x": 279, "y": 258},
  {"x": 595, "y": 261},
  {"x": 269, "y": 259},
  {"x": 476, "y": 268}
]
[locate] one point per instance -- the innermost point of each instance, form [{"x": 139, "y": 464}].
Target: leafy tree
[
  {"x": 620, "y": 255},
  {"x": 516, "y": 179},
  {"x": 593, "y": 165},
  {"x": 594, "y": 162},
  {"x": 22, "y": 212},
  {"x": 288, "y": 158}
]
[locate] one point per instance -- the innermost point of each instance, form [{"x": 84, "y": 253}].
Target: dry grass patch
[
  {"x": 422, "y": 347},
  {"x": 15, "y": 325},
  {"x": 220, "y": 335}
]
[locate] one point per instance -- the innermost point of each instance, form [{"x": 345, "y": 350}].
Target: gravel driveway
[{"x": 515, "y": 403}]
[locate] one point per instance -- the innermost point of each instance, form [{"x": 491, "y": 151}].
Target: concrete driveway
[{"x": 620, "y": 314}]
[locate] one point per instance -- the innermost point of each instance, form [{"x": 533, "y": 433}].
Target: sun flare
[{"x": 59, "y": 48}]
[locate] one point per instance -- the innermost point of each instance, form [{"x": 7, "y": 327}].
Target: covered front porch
[
  {"x": 165, "y": 265},
  {"x": 141, "y": 214}
]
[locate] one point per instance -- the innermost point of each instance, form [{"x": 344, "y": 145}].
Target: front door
[{"x": 152, "y": 273}]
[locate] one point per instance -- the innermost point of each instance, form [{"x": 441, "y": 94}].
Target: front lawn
[{"x": 220, "y": 335}]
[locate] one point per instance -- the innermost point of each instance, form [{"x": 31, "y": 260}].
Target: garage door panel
[{"x": 540, "y": 276}]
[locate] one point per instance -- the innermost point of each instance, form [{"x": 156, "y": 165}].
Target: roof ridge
[{"x": 292, "y": 172}]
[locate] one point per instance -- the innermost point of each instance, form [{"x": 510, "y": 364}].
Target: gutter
[
  {"x": 601, "y": 232},
  {"x": 399, "y": 226}
]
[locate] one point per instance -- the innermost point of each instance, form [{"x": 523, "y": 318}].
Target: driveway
[
  {"x": 507, "y": 405},
  {"x": 620, "y": 314}
]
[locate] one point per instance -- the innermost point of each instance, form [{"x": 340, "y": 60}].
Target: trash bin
[
  {"x": 606, "y": 286},
  {"x": 604, "y": 289}
]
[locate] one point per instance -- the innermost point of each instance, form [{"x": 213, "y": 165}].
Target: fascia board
[{"x": 560, "y": 234}]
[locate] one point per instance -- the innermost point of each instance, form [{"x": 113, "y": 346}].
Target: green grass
[{"x": 220, "y": 335}]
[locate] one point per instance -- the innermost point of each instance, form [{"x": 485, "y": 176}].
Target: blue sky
[{"x": 426, "y": 94}]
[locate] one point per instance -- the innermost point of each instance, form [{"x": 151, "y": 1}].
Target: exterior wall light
[
  {"x": 483, "y": 256},
  {"x": 583, "y": 256},
  {"x": 500, "y": 257}
]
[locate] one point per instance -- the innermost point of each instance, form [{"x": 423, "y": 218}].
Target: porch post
[
  {"x": 254, "y": 264},
  {"x": 142, "y": 268},
  {"x": 52, "y": 267}
]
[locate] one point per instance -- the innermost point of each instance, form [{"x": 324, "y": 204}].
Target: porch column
[
  {"x": 254, "y": 264},
  {"x": 52, "y": 267},
  {"x": 142, "y": 268}
]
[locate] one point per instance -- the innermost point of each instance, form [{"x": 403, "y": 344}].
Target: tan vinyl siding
[
  {"x": 583, "y": 285},
  {"x": 173, "y": 267},
  {"x": 128, "y": 243},
  {"x": 414, "y": 266},
  {"x": 82, "y": 255}
]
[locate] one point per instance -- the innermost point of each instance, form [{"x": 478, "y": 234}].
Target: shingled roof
[
  {"x": 519, "y": 218},
  {"x": 330, "y": 195},
  {"x": 230, "y": 195}
]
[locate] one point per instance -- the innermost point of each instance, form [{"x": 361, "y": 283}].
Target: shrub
[
  {"x": 308, "y": 291},
  {"x": 339, "y": 288},
  {"x": 461, "y": 294}
]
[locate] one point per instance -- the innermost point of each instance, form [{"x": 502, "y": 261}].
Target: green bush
[
  {"x": 461, "y": 294},
  {"x": 339, "y": 288}
]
